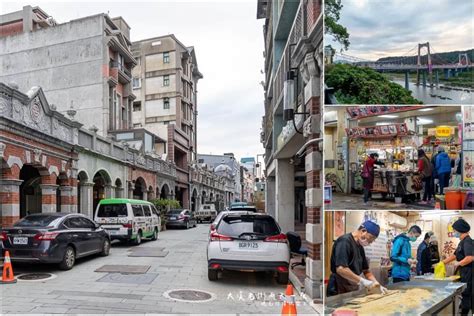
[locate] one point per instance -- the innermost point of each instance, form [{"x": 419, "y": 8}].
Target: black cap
[{"x": 461, "y": 226}]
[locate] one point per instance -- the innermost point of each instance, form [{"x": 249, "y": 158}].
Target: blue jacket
[
  {"x": 443, "y": 163},
  {"x": 419, "y": 252},
  {"x": 401, "y": 252}
]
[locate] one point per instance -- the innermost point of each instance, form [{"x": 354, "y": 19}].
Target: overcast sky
[
  {"x": 229, "y": 42},
  {"x": 380, "y": 28}
]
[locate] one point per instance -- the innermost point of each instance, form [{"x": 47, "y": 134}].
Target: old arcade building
[{"x": 50, "y": 163}]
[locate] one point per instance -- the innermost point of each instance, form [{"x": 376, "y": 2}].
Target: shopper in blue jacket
[
  {"x": 401, "y": 254},
  {"x": 443, "y": 168}
]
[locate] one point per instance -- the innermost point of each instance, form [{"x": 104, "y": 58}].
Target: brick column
[
  {"x": 314, "y": 191},
  {"x": 66, "y": 198},
  {"x": 48, "y": 198},
  {"x": 131, "y": 187},
  {"x": 10, "y": 201},
  {"x": 185, "y": 198}
]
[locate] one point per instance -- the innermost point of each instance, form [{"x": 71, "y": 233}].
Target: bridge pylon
[
  {"x": 462, "y": 57},
  {"x": 430, "y": 65}
]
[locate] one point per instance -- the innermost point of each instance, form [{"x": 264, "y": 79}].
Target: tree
[
  {"x": 332, "y": 12},
  {"x": 360, "y": 85}
]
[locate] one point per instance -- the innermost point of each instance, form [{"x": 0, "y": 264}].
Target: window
[
  {"x": 72, "y": 223},
  {"x": 137, "y": 106},
  {"x": 137, "y": 83},
  {"x": 137, "y": 125},
  {"x": 85, "y": 223},
  {"x": 112, "y": 210},
  {"x": 166, "y": 80},
  {"x": 155, "y": 211},
  {"x": 166, "y": 103},
  {"x": 137, "y": 210},
  {"x": 156, "y": 43},
  {"x": 166, "y": 57},
  {"x": 146, "y": 208},
  {"x": 121, "y": 62},
  {"x": 235, "y": 225},
  {"x": 166, "y": 122}
]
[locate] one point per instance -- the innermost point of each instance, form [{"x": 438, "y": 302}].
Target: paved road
[{"x": 78, "y": 290}]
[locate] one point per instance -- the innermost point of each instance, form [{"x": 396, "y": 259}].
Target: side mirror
[{"x": 97, "y": 225}]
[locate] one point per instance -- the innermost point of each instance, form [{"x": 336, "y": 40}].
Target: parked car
[
  {"x": 180, "y": 218},
  {"x": 207, "y": 212},
  {"x": 129, "y": 220},
  {"x": 249, "y": 208},
  {"x": 213, "y": 225},
  {"x": 248, "y": 241},
  {"x": 54, "y": 238},
  {"x": 237, "y": 204}
]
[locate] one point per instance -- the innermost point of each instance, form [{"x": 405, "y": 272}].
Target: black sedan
[
  {"x": 180, "y": 218},
  {"x": 54, "y": 238}
]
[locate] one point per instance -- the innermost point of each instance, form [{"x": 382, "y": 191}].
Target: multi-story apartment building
[
  {"x": 165, "y": 82},
  {"x": 84, "y": 63},
  {"x": 293, "y": 37},
  {"x": 217, "y": 162}
]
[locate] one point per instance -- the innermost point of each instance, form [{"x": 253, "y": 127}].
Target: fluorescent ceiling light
[
  {"x": 426, "y": 109},
  {"x": 382, "y": 123},
  {"x": 388, "y": 116},
  {"x": 423, "y": 121}
]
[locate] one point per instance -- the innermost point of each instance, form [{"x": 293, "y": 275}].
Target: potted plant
[{"x": 164, "y": 205}]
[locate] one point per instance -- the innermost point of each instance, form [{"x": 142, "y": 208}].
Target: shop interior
[
  {"x": 395, "y": 134},
  {"x": 392, "y": 223}
]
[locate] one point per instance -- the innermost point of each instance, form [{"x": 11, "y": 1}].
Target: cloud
[
  {"x": 381, "y": 28},
  {"x": 229, "y": 42}
]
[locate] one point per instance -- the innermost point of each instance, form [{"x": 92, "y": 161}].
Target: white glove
[
  {"x": 366, "y": 283},
  {"x": 412, "y": 261},
  {"x": 383, "y": 290}
]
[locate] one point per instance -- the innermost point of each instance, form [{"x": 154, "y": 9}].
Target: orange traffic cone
[
  {"x": 289, "y": 306},
  {"x": 7, "y": 276}
]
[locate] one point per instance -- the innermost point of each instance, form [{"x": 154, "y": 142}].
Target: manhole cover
[
  {"x": 117, "y": 268},
  {"x": 33, "y": 277},
  {"x": 129, "y": 278},
  {"x": 189, "y": 295}
]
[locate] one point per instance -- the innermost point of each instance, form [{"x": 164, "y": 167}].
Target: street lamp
[{"x": 289, "y": 96}]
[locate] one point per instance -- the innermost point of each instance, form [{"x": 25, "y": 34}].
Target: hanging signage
[
  {"x": 358, "y": 112},
  {"x": 444, "y": 131},
  {"x": 391, "y": 130}
]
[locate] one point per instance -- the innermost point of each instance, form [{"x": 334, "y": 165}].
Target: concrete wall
[
  {"x": 65, "y": 60},
  {"x": 155, "y": 61},
  {"x": 155, "y": 85}
]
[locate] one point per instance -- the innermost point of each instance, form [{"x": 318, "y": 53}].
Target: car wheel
[
  {"x": 69, "y": 258},
  {"x": 138, "y": 240},
  {"x": 155, "y": 234},
  {"x": 105, "y": 248},
  {"x": 212, "y": 274},
  {"x": 282, "y": 277}
]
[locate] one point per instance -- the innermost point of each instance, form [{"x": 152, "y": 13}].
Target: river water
[{"x": 438, "y": 95}]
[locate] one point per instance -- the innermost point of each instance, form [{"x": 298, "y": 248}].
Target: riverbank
[{"x": 463, "y": 80}]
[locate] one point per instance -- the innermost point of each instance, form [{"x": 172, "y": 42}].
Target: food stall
[
  {"x": 405, "y": 298},
  {"x": 397, "y": 149},
  {"x": 396, "y": 134},
  {"x": 423, "y": 295}
]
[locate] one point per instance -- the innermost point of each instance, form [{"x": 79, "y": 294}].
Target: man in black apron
[
  {"x": 348, "y": 261},
  {"x": 464, "y": 255}
]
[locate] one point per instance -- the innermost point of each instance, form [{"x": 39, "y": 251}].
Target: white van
[
  {"x": 128, "y": 220},
  {"x": 207, "y": 212}
]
